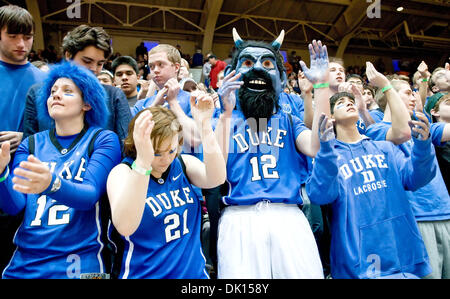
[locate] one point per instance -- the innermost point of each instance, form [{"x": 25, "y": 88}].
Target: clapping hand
[
  {"x": 376, "y": 78},
  {"x": 202, "y": 107},
  {"x": 304, "y": 84},
  {"x": 318, "y": 73},
  {"x": 32, "y": 176}
]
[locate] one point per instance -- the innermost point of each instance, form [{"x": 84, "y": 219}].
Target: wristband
[
  {"x": 140, "y": 170},
  {"x": 6, "y": 175},
  {"x": 425, "y": 80},
  {"x": 321, "y": 85},
  {"x": 386, "y": 88}
]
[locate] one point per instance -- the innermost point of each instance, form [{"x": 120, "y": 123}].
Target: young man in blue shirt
[
  {"x": 373, "y": 234},
  {"x": 18, "y": 75},
  {"x": 431, "y": 203}
]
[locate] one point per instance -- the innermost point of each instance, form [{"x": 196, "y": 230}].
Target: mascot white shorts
[{"x": 265, "y": 241}]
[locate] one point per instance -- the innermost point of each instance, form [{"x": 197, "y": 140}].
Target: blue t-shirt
[
  {"x": 374, "y": 232},
  {"x": 265, "y": 165},
  {"x": 60, "y": 236},
  {"x": 293, "y": 104},
  {"x": 14, "y": 85},
  {"x": 166, "y": 244},
  {"x": 431, "y": 202},
  {"x": 377, "y": 115}
]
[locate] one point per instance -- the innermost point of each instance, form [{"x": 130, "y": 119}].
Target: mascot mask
[{"x": 263, "y": 74}]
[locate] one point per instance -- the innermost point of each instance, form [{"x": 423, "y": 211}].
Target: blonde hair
[
  {"x": 166, "y": 126},
  {"x": 398, "y": 82},
  {"x": 173, "y": 55}
]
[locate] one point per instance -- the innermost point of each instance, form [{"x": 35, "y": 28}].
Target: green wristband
[
  {"x": 386, "y": 88},
  {"x": 6, "y": 175},
  {"x": 140, "y": 170},
  {"x": 424, "y": 80},
  {"x": 321, "y": 85}
]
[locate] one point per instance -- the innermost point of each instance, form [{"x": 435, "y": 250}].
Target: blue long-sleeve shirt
[
  {"x": 374, "y": 232},
  {"x": 432, "y": 201},
  {"x": 15, "y": 83}
]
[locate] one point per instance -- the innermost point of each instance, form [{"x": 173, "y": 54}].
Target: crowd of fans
[{"x": 157, "y": 117}]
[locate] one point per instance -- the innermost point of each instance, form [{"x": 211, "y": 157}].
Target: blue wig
[{"x": 93, "y": 93}]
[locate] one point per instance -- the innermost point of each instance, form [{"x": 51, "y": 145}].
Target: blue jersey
[
  {"x": 293, "y": 104},
  {"x": 167, "y": 242},
  {"x": 373, "y": 229},
  {"x": 16, "y": 80},
  {"x": 431, "y": 202},
  {"x": 56, "y": 240},
  {"x": 265, "y": 165}
]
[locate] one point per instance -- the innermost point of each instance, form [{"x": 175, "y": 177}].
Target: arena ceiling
[{"x": 364, "y": 26}]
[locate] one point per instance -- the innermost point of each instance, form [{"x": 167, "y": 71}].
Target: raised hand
[
  {"x": 227, "y": 91},
  {"x": 304, "y": 84},
  {"x": 376, "y": 78},
  {"x": 143, "y": 127},
  {"x": 32, "y": 176},
  {"x": 423, "y": 70},
  {"x": 5, "y": 155},
  {"x": 202, "y": 107},
  {"x": 326, "y": 131},
  {"x": 318, "y": 73},
  {"x": 420, "y": 128}
]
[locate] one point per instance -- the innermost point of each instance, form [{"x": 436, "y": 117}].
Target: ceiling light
[{"x": 400, "y": 8}]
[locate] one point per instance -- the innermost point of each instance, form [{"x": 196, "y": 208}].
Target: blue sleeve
[
  {"x": 436, "y": 131},
  {"x": 105, "y": 156},
  {"x": 139, "y": 106},
  {"x": 121, "y": 115},
  {"x": 419, "y": 169},
  {"x": 322, "y": 186},
  {"x": 377, "y": 115},
  {"x": 30, "y": 117},
  {"x": 13, "y": 202},
  {"x": 377, "y": 131},
  {"x": 298, "y": 125}
]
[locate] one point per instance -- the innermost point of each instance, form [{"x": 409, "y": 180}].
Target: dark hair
[
  {"x": 124, "y": 60},
  {"x": 17, "y": 20},
  {"x": 370, "y": 88},
  {"x": 84, "y": 36},
  {"x": 338, "y": 96},
  {"x": 355, "y": 76},
  {"x": 256, "y": 44}
]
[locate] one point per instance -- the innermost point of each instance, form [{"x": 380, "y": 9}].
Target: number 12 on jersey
[{"x": 268, "y": 163}]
